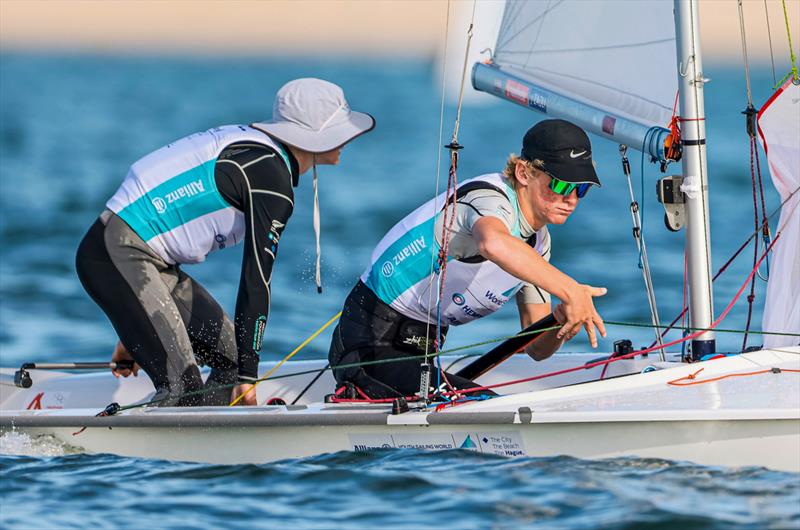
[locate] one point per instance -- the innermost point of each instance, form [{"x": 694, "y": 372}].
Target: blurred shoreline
[{"x": 314, "y": 28}]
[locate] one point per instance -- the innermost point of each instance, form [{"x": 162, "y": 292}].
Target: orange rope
[{"x": 688, "y": 380}]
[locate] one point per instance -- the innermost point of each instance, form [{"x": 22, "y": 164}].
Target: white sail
[
  {"x": 779, "y": 128},
  {"x": 618, "y": 56}
]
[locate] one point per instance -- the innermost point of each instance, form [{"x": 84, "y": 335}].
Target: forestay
[{"x": 779, "y": 129}]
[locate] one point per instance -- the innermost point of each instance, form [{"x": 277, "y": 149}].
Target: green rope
[
  {"x": 793, "y": 73},
  {"x": 643, "y": 325}
]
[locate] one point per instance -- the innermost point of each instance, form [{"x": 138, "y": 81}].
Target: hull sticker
[{"x": 496, "y": 443}]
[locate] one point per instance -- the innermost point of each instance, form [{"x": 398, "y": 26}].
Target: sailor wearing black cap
[{"x": 499, "y": 248}]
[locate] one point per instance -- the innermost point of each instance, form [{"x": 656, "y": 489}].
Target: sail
[
  {"x": 779, "y": 129},
  {"x": 616, "y": 55},
  {"x": 608, "y": 66}
]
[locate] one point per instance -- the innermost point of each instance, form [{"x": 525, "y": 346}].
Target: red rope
[
  {"x": 751, "y": 297},
  {"x": 448, "y": 219},
  {"x": 364, "y": 397},
  {"x": 689, "y": 380},
  {"x": 639, "y": 352},
  {"x": 722, "y": 269}
]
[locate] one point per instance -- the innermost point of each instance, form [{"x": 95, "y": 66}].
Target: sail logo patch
[
  {"x": 609, "y": 122},
  {"x": 517, "y": 91},
  {"x": 538, "y": 101}
]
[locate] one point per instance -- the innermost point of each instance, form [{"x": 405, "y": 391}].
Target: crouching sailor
[
  {"x": 197, "y": 195},
  {"x": 499, "y": 248}
]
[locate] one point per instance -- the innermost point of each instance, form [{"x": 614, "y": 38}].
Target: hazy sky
[{"x": 266, "y": 27}]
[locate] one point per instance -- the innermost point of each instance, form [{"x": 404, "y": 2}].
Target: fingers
[
  {"x": 569, "y": 330},
  {"x": 598, "y": 322},
  {"x": 250, "y": 397},
  {"x": 589, "y": 327},
  {"x": 597, "y": 291}
]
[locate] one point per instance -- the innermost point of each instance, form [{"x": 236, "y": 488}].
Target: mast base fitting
[
  {"x": 668, "y": 190},
  {"x": 701, "y": 348}
]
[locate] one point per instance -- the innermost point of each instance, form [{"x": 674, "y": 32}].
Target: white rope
[{"x": 318, "y": 273}]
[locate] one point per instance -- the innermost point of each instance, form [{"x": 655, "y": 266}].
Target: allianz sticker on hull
[{"x": 501, "y": 443}]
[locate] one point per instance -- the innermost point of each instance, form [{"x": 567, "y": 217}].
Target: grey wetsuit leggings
[{"x": 167, "y": 320}]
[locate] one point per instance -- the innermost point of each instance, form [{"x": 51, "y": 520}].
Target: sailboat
[{"x": 737, "y": 410}]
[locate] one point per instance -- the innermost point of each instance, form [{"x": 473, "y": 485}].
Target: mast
[{"x": 695, "y": 173}]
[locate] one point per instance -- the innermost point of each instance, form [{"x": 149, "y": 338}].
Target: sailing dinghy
[{"x": 734, "y": 410}]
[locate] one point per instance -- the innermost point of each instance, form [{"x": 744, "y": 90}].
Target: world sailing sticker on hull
[{"x": 495, "y": 443}]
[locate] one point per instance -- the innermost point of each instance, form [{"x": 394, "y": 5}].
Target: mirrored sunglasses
[{"x": 565, "y": 188}]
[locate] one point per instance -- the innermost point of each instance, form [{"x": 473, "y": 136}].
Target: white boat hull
[
  {"x": 750, "y": 420},
  {"x": 769, "y": 443}
]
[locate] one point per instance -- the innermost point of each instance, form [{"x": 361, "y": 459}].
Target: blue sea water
[{"x": 70, "y": 125}]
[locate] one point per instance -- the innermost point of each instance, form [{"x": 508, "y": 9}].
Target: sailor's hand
[
  {"x": 122, "y": 354},
  {"x": 579, "y": 312},
  {"x": 560, "y": 314},
  {"x": 249, "y": 398}
]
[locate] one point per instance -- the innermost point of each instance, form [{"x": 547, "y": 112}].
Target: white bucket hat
[{"x": 312, "y": 115}]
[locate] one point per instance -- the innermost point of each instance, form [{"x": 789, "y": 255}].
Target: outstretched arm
[{"x": 514, "y": 256}]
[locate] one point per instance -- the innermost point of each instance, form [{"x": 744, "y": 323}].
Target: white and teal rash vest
[
  {"x": 170, "y": 197},
  {"x": 400, "y": 272}
]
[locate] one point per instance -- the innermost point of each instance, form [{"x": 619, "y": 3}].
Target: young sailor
[
  {"x": 199, "y": 194},
  {"x": 499, "y": 248}
]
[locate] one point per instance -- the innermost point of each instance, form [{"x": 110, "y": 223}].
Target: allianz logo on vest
[
  {"x": 187, "y": 190},
  {"x": 412, "y": 249}
]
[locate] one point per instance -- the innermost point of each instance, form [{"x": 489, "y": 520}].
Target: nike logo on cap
[{"x": 573, "y": 154}]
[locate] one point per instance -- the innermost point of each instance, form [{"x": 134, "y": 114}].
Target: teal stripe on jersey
[
  {"x": 512, "y": 196},
  {"x": 404, "y": 263},
  {"x": 285, "y": 156},
  {"x": 175, "y": 202}
]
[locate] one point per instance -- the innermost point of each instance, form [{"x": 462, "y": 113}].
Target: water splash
[{"x": 16, "y": 443}]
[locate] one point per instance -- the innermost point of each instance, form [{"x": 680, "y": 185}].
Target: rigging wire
[
  {"x": 730, "y": 260},
  {"x": 438, "y": 173},
  {"x": 744, "y": 56},
  {"x": 450, "y": 209},
  {"x": 769, "y": 38}
]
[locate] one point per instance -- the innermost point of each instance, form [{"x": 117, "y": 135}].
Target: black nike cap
[{"x": 564, "y": 148}]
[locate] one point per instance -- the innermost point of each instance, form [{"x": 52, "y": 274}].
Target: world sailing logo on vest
[{"x": 187, "y": 190}]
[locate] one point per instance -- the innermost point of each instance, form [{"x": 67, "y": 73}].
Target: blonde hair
[{"x": 511, "y": 166}]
